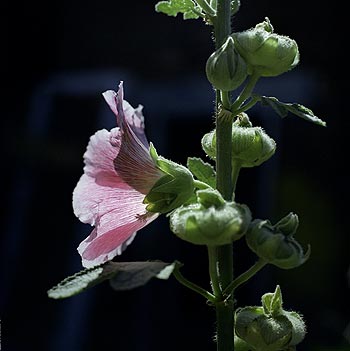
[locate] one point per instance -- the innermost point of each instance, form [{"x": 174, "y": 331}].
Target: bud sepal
[
  {"x": 211, "y": 220},
  {"x": 173, "y": 189}
]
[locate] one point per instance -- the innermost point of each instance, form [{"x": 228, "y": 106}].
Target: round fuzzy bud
[
  {"x": 266, "y": 53},
  {"x": 275, "y": 243},
  {"x": 209, "y": 144},
  {"x": 211, "y": 220},
  {"x": 226, "y": 70},
  {"x": 269, "y": 327},
  {"x": 251, "y": 146}
]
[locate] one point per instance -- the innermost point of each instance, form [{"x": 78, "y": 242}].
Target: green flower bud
[
  {"x": 266, "y": 53},
  {"x": 251, "y": 146},
  {"x": 211, "y": 220},
  {"x": 209, "y": 144},
  {"x": 275, "y": 243},
  {"x": 270, "y": 328},
  {"x": 173, "y": 189},
  {"x": 225, "y": 68}
]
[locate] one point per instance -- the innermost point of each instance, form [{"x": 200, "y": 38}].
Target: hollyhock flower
[{"x": 125, "y": 184}]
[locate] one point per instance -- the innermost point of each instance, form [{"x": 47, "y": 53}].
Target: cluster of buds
[
  {"x": 257, "y": 51},
  {"x": 268, "y": 327}
]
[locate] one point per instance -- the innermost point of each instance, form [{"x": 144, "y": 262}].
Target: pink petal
[
  {"x": 133, "y": 162},
  {"x": 100, "y": 248},
  {"x": 125, "y": 112},
  {"x": 101, "y": 151},
  {"x": 95, "y": 197}
]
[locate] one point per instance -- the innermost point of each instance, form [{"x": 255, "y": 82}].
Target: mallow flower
[{"x": 125, "y": 184}]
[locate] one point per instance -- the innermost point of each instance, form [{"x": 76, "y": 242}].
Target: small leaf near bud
[
  {"x": 225, "y": 68},
  {"x": 275, "y": 243},
  {"x": 211, "y": 220},
  {"x": 267, "y": 54}
]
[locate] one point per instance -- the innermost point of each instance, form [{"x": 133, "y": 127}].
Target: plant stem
[
  {"x": 181, "y": 279},
  {"x": 245, "y": 276},
  {"x": 213, "y": 271},
  {"x": 245, "y": 94},
  {"x": 236, "y": 167},
  {"x": 224, "y": 253}
]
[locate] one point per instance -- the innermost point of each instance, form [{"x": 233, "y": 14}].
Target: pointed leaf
[
  {"x": 282, "y": 109},
  {"x": 123, "y": 276},
  {"x": 202, "y": 171},
  {"x": 172, "y": 7}
]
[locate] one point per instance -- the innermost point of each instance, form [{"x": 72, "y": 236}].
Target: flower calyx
[
  {"x": 171, "y": 190},
  {"x": 266, "y": 53},
  {"x": 251, "y": 146},
  {"x": 275, "y": 243},
  {"x": 269, "y": 327},
  {"x": 210, "y": 220}
]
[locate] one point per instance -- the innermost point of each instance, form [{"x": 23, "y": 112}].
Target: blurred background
[{"x": 58, "y": 57}]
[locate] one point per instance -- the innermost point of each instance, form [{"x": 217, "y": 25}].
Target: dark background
[{"x": 58, "y": 59}]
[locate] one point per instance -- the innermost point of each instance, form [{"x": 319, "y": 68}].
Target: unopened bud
[
  {"x": 275, "y": 243},
  {"x": 269, "y": 327},
  {"x": 266, "y": 53},
  {"x": 225, "y": 68},
  {"x": 211, "y": 220},
  {"x": 251, "y": 146}
]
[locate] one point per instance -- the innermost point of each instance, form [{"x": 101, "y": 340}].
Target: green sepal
[
  {"x": 272, "y": 302},
  {"x": 211, "y": 220},
  {"x": 122, "y": 276},
  {"x": 188, "y": 8},
  {"x": 203, "y": 171},
  {"x": 283, "y": 108},
  {"x": 172, "y": 190},
  {"x": 241, "y": 345}
]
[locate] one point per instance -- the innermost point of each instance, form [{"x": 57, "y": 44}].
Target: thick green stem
[{"x": 224, "y": 266}]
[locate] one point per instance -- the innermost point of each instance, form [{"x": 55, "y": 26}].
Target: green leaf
[
  {"x": 172, "y": 7},
  {"x": 131, "y": 275},
  {"x": 202, "y": 171},
  {"x": 122, "y": 275},
  {"x": 282, "y": 109}
]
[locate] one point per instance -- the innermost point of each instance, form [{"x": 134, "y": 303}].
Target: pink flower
[{"x": 119, "y": 172}]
